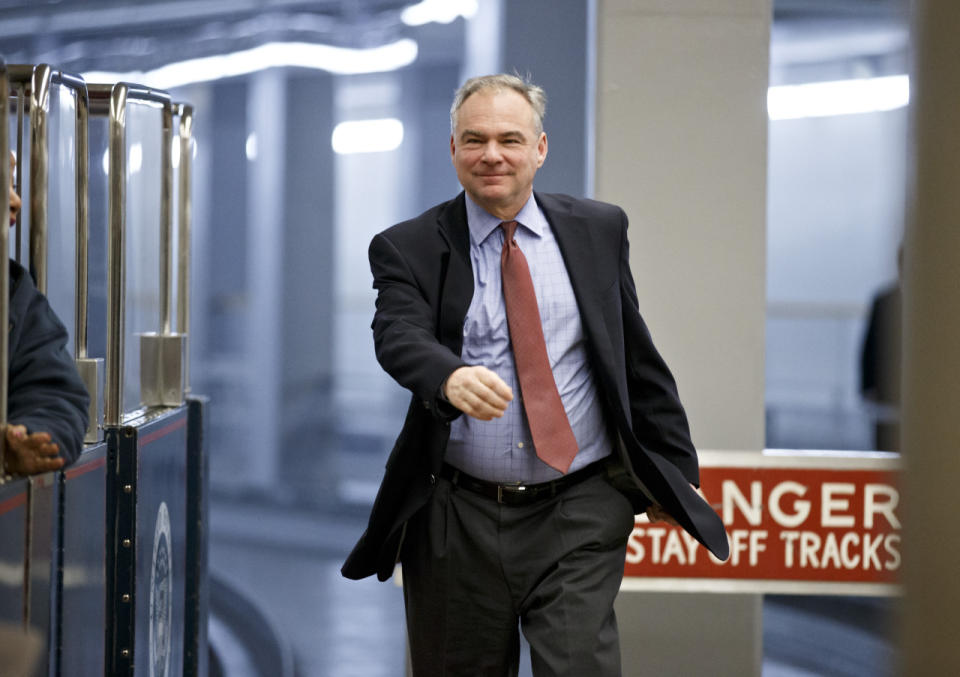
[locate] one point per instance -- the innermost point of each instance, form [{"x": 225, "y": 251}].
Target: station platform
[{"x": 286, "y": 560}]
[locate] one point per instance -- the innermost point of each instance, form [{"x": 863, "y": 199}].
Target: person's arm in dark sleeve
[
  {"x": 405, "y": 333},
  {"x": 45, "y": 393}
]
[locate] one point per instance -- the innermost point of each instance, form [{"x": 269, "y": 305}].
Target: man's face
[
  {"x": 14, "y": 198},
  {"x": 496, "y": 150}
]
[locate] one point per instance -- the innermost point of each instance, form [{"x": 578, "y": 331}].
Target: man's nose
[{"x": 491, "y": 152}]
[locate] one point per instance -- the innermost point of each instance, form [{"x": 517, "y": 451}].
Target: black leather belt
[{"x": 517, "y": 493}]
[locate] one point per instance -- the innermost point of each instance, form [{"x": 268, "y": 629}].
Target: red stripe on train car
[
  {"x": 13, "y": 502},
  {"x": 166, "y": 430},
  {"x": 84, "y": 468}
]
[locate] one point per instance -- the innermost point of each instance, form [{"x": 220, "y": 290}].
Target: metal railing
[
  {"x": 165, "y": 378},
  {"x": 32, "y": 86},
  {"x": 161, "y": 380},
  {"x": 184, "y": 237},
  {"x": 118, "y": 488}
]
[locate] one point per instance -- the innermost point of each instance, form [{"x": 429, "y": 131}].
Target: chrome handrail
[
  {"x": 39, "y": 162},
  {"x": 112, "y": 100},
  {"x": 166, "y": 218},
  {"x": 184, "y": 235},
  {"x": 4, "y": 255}
]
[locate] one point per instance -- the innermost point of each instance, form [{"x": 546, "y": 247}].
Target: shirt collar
[{"x": 481, "y": 223}]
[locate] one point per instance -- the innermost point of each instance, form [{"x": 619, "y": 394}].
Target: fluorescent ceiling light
[
  {"x": 337, "y": 60},
  {"x": 367, "y": 136},
  {"x": 439, "y": 11},
  {"x": 842, "y": 97}
]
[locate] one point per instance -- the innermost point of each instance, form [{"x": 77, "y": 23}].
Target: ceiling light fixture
[
  {"x": 840, "y": 97},
  {"x": 439, "y": 11},
  {"x": 367, "y": 136},
  {"x": 336, "y": 60}
]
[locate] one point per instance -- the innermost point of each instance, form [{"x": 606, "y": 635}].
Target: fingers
[
  {"x": 42, "y": 446},
  {"x": 30, "y": 454},
  {"x": 37, "y": 443},
  {"x": 478, "y": 392},
  {"x": 38, "y": 465}
]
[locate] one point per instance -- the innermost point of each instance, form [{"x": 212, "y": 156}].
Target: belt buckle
[{"x": 514, "y": 487}]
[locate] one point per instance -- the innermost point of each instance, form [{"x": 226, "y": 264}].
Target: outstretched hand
[
  {"x": 478, "y": 392},
  {"x": 29, "y": 454}
]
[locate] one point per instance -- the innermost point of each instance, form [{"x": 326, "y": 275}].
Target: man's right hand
[{"x": 478, "y": 392}]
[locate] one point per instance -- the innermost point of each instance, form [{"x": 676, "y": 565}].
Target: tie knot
[{"x": 509, "y": 228}]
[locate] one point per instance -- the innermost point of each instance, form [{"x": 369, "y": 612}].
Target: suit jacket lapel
[
  {"x": 579, "y": 252},
  {"x": 456, "y": 274}
]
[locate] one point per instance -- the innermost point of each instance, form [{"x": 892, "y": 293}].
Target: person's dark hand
[
  {"x": 656, "y": 513},
  {"x": 29, "y": 454},
  {"x": 478, "y": 392}
]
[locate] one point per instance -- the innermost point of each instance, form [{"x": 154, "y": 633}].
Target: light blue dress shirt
[{"x": 502, "y": 450}]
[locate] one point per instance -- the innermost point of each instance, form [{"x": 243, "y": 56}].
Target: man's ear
[{"x": 541, "y": 149}]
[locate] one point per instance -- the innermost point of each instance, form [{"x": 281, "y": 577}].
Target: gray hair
[{"x": 534, "y": 95}]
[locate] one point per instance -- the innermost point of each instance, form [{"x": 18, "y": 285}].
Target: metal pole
[
  {"x": 185, "y": 112},
  {"x": 39, "y": 161},
  {"x": 21, "y": 108},
  {"x": 91, "y": 370},
  {"x": 83, "y": 223},
  {"x": 37, "y": 258},
  {"x": 166, "y": 219},
  {"x": 4, "y": 255},
  {"x": 116, "y": 256}
]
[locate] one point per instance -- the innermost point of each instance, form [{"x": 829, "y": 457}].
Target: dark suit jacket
[{"x": 423, "y": 276}]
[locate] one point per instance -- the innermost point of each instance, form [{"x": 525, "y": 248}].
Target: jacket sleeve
[
  {"x": 658, "y": 419},
  {"x": 405, "y": 328},
  {"x": 45, "y": 391}
]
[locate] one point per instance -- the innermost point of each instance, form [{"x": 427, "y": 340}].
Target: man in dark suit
[
  {"x": 880, "y": 359},
  {"x": 506, "y": 511}
]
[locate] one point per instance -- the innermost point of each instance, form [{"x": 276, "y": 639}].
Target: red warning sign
[{"x": 797, "y": 522}]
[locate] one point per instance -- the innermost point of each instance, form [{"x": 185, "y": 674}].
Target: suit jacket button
[
  {"x": 426, "y": 404},
  {"x": 433, "y": 479}
]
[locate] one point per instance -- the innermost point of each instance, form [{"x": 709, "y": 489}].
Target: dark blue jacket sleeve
[{"x": 45, "y": 392}]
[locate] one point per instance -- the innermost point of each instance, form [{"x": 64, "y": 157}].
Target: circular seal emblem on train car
[{"x": 161, "y": 596}]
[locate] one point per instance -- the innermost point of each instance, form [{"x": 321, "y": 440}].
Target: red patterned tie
[{"x": 552, "y": 436}]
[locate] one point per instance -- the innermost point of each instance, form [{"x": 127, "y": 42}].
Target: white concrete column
[
  {"x": 265, "y": 182},
  {"x": 681, "y": 132},
  {"x": 482, "y": 45},
  {"x": 931, "y": 380},
  {"x": 681, "y": 145}
]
